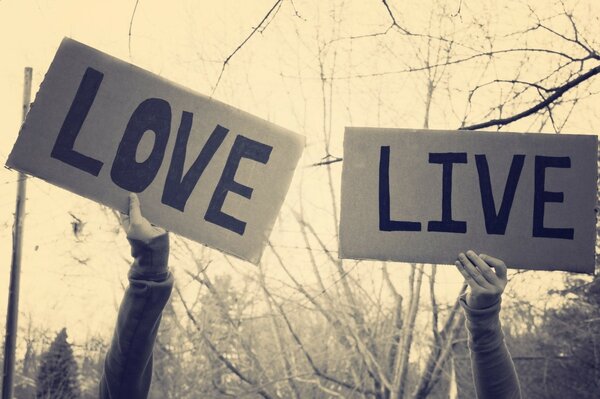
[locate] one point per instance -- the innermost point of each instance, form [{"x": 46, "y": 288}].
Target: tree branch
[
  {"x": 309, "y": 358},
  {"x": 214, "y": 349},
  {"x": 394, "y": 22},
  {"x": 260, "y": 28},
  {"x": 130, "y": 25},
  {"x": 557, "y": 92},
  {"x": 543, "y": 104}
]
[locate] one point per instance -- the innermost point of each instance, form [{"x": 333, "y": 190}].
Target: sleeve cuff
[
  {"x": 151, "y": 258},
  {"x": 480, "y": 314},
  {"x": 485, "y": 331}
]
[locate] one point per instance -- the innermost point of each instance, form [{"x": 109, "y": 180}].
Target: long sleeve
[
  {"x": 493, "y": 369},
  {"x": 128, "y": 364}
]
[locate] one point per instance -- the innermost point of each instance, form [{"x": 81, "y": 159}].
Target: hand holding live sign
[
  {"x": 486, "y": 285},
  {"x": 494, "y": 373}
]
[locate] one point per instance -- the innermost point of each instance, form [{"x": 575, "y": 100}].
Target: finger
[
  {"x": 466, "y": 275},
  {"x": 472, "y": 270},
  {"x": 484, "y": 268},
  {"x": 158, "y": 230},
  {"x": 124, "y": 219},
  {"x": 135, "y": 213},
  {"x": 497, "y": 264}
]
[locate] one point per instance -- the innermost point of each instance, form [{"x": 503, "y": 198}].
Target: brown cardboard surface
[
  {"x": 121, "y": 91},
  {"x": 415, "y": 195}
]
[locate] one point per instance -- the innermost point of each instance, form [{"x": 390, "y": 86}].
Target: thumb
[{"x": 135, "y": 213}]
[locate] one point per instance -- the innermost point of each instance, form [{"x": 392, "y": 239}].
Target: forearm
[
  {"x": 128, "y": 364},
  {"x": 493, "y": 369}
]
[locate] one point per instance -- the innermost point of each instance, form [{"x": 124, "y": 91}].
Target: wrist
[
  {"x": 480, "y": 314},
  {"x": 481, "y": 301},
  {"x": 150, "y": 258}
]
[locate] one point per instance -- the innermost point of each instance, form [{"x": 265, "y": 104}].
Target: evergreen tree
[
  {"x": 571, "y": 340},
  {"x": 57, "y": 375}
]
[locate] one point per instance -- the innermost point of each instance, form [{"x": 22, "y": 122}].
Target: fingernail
[
  {"x": 470, "y": 252},
  {"x": 461, "y": 256}
]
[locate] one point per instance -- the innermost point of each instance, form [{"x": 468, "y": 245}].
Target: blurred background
[{"x": 303, "y": 323}]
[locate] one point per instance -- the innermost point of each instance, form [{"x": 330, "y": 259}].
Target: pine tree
[{"x": 57, "y": 375}]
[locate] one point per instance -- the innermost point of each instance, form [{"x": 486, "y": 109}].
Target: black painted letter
[
  {"x": 152, "y": 114},
  {"x": 447, "y": 225},
  {"x": 540, "y": 197},
  {"x": 495, "y": 223},
  {"x": 177, "y": 189},
  {"x": 63, "y": 147},
  {"x": 243, "y": 147},
  {"x": 385, "y": 222}
]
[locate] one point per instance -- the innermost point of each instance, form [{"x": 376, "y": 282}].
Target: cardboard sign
[
  {"x": 101, "y": 127},
  {"x": 425, "y": 196}
]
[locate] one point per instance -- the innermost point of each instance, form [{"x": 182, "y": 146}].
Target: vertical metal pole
[{"x": 12, "y": 314}]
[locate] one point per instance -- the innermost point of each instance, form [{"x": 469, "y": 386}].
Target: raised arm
[
  {"x": 128, "y": 365},
  {"x": 493, "y": 369}
]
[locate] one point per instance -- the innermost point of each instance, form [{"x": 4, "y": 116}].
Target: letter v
[
  {"x": 177, "y": 189},
  {"x": 495, "y": 223}
]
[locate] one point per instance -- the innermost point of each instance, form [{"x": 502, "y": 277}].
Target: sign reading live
[
  {"x": 425, "y": 196},
  {"x": 101, "y": 127}
]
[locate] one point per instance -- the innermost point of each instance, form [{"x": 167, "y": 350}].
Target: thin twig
[
  {"x": 327, "y": 160},
  {"x": 130, "y": 25},
  {"x": 394, "y": 22},
  {"x": 256, "y": 29}
]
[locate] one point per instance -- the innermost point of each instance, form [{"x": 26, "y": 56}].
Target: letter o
[{"x": 152, "y": 114}]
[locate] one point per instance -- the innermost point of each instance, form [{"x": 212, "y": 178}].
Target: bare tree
[{"x": 307, "y": 323}]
